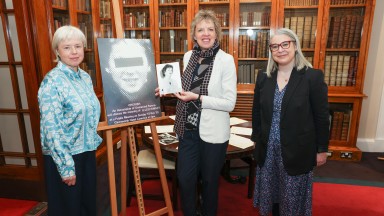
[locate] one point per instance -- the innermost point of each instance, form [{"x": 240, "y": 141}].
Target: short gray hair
[
  {"x": 206, "y": 15},
  {"x": 64, "y": 33},
  {"x": 300, "y": 60}
]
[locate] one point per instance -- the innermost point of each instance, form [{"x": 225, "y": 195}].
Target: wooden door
[{"x": 20, "y": 153}]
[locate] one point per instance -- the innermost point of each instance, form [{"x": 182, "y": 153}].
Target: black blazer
[{"x": 304, "y": 120}]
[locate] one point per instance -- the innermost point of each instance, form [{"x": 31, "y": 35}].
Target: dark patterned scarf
[{"x": 187, "y": 80}]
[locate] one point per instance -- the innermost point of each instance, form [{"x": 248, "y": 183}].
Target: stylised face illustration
[{"x": 129, "y": 68}]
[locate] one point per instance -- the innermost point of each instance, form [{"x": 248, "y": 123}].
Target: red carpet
[
  {"x": 11, "y": 207},
  {"x": 328, "y": 200}
]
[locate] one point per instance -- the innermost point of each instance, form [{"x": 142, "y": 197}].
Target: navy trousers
[
  {"x": 77, "y": 200},
  {"x": 197, "y": 158}
]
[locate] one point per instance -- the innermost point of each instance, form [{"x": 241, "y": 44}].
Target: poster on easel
[{"x": 129, "y": 79}]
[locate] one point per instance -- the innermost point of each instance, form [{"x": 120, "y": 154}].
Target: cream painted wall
[{"x": 371, "y": 129}]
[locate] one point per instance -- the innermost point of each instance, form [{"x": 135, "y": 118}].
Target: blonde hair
[
  {"x": 300, "y": 60},
  {"x": 206, "y": 15},
  {"x": 64, "y": 33}
]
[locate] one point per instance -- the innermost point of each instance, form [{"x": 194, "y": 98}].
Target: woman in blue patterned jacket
[{"x": 69, "y": 115}]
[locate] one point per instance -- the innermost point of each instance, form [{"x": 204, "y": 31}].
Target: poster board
[{"x": 129, "y": 79}]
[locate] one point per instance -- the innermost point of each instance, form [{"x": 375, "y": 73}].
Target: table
[{"x": 233, "y": 152}]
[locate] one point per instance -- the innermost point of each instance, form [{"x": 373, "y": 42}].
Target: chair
[{"x": 149, "y": 170}]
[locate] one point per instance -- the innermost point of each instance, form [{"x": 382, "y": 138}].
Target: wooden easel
[{"x": 127, "y": 130}]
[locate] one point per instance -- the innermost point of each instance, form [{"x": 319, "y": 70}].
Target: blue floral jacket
[{"x": 69, "y": 115}]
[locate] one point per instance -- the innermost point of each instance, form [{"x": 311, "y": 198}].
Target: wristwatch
[{"x": 198, "y": 98}]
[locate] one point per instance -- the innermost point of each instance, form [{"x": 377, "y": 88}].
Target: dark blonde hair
[
  {"x": 165, "y": 69},
  {"x": 206, "y": 15}
]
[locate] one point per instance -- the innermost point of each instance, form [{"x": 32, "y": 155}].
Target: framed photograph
[{"x": 168, "y": 77}]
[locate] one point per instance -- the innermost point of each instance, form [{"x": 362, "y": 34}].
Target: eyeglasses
[{"x": 284, "y": 45}]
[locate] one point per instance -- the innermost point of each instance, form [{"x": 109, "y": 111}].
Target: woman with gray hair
[
  {"x": 69, "y": 115},
  {"x": 202, "y": 114},
  {"x": 290, "y": 128}
]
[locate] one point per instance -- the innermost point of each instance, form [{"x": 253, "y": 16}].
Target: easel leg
[
  {"x": 111, "y": 173},
  {"x": 160, "y": 165},
  {"x": 135, "y": 170},
  {"x": 123, "y": 172}
]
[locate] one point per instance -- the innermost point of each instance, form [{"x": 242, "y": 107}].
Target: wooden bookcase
[
  {"x": 339, "y": 48},
  {"x": 334, "y": 37},
  {"x": 84, "y": 14}
]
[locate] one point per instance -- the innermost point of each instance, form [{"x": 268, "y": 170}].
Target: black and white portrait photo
[
  {"x": 129, "y": 77},
  {"x": 168, "y": 76}
]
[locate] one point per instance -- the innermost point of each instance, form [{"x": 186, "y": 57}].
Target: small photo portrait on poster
[{"x": 168, "y": 77}]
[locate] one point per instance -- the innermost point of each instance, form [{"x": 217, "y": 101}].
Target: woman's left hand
[
  {"x": 186, "y": 96},
  {"x": 321, "y": 158}
]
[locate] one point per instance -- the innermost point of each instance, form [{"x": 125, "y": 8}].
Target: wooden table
[{"x": 233, "y": 152}]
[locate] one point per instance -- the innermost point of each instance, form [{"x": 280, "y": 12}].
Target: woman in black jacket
[{"x": 290, "y": 128}]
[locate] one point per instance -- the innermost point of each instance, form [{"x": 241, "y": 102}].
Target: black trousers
[
  {"x": 77, "y": 200},
  {"x": 198, "y": 158}
]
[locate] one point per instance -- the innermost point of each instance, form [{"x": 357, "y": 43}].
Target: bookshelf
[
  {"x": 137, "y": 16},
  {"x": 252, "y": 24},
  {"x": 252, "y": 21},
  {"x": 83, "y": 14},
  {"x": 60, "y": 10},
  {"x": 339, "y": 48},
  {"x": 172, "y": 18},
  {"x": 334, "y": 36}
]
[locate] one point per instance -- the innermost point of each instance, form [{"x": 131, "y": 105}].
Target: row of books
[
  {"x": 223, "y": 19},
  {"x": 173, "y": 18},
  {"x": 136, "y": 20},
  {"x": 135, "y": 2},
  {"x": 105, "y": 30},
  {"x": 255, "y": 46},
  {"x": 304, "y": 27},
  {"x": 173, "y": 41},
  {"x": 214, "y": 0},
  {"x": 340, "y": 121},
  {"x": 310, "y": 59},
  {"x": 345, "y": 31},
  {"x": 88, "y": 66},
  {"x": 83, "y": 5},
  {"x": 172, "y": 1},
  {"x": 340, "y": 70},
  {"x": 247, "y": 74},
  {"x": 250, "y": 19},
  {"x": 340, "y": 2},
  {"x": 301, "y": 2},
  {"x": 59, "y": 3},
  {"x": 224, "y": 43},
  {"x": 137, "y": 34},
  {"x": 86, "y": 28},
  {"x": 60, "y": 21},
  {"x": 105, "y": 9},
  {"x": 316, "y": 2}
]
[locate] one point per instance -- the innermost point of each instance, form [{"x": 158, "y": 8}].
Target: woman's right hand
[
  {"x": 70, "y": 180},
  {"x": 157, "y": 92}
]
